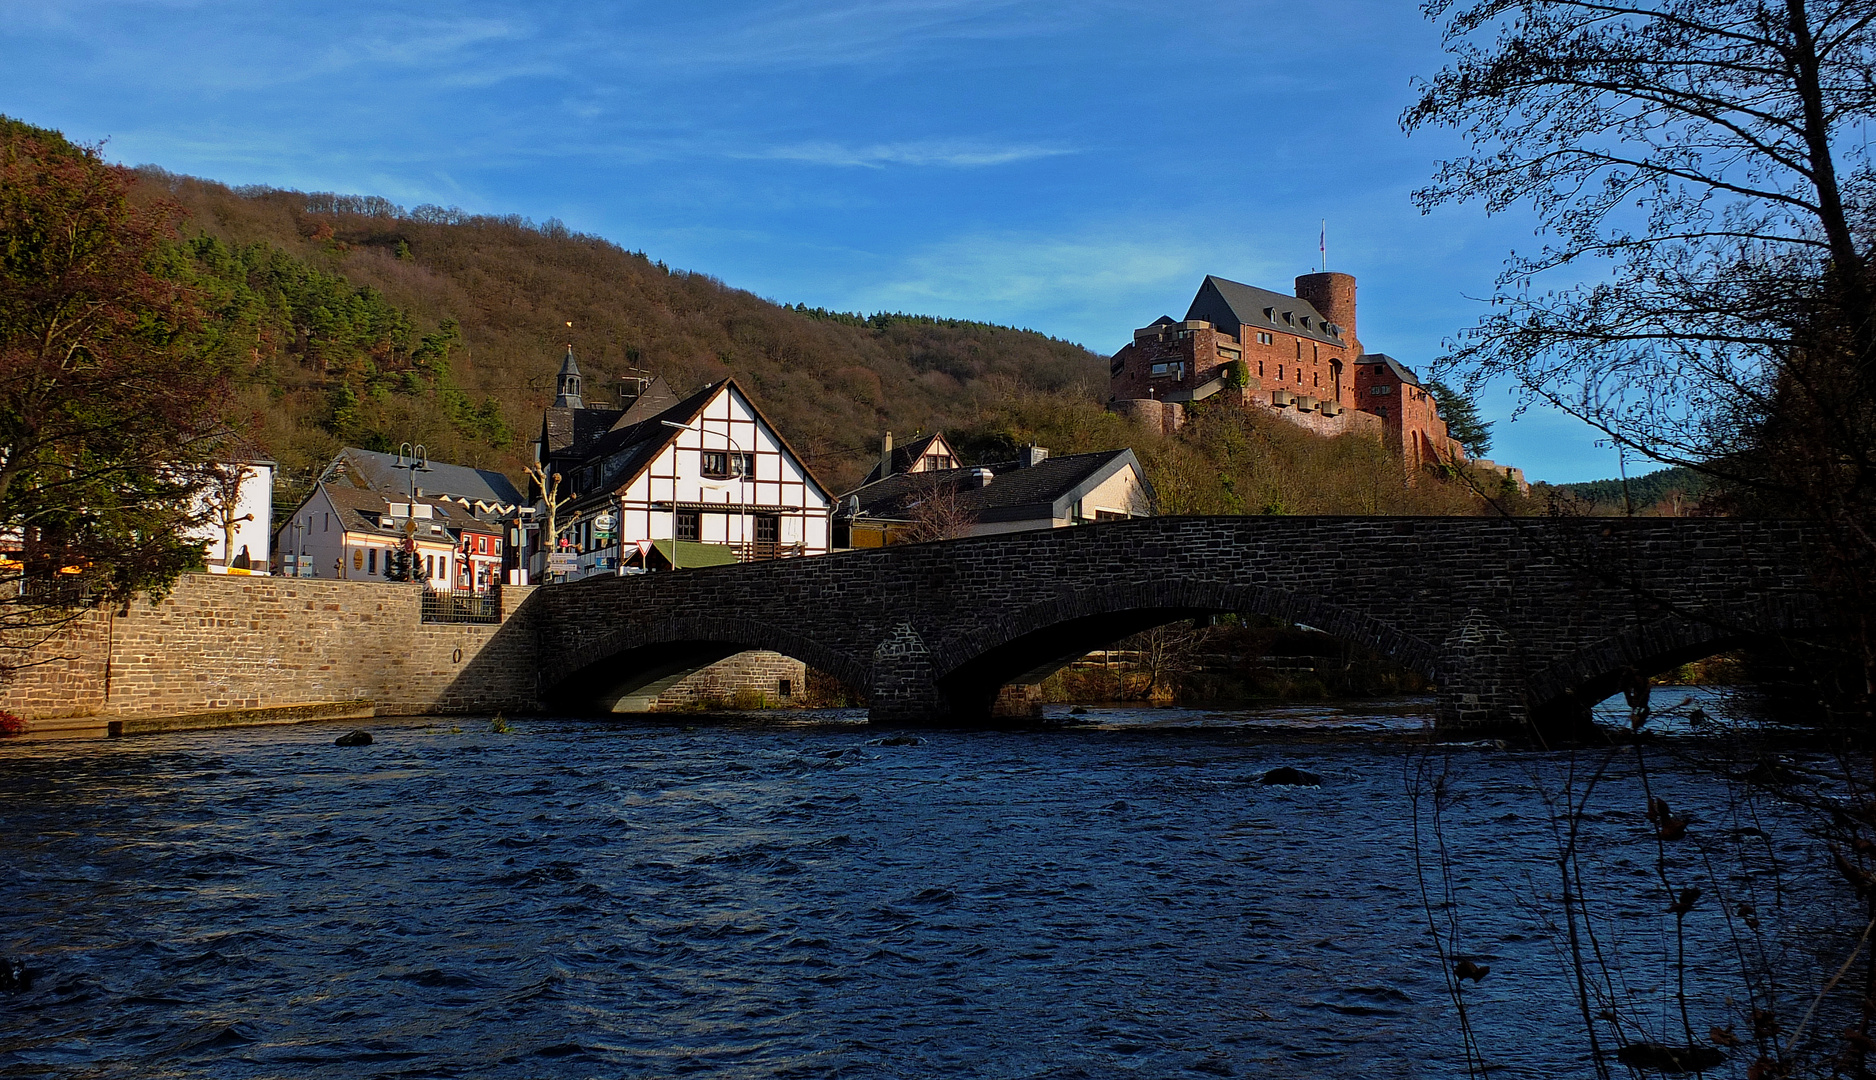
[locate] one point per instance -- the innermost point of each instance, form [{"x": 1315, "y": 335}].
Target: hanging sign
[{"x": 604, "y": 522}]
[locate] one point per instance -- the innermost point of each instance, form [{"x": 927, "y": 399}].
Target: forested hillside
[
  {"x": 359, "y": 322},
  {"x": 353, "y": 321}
]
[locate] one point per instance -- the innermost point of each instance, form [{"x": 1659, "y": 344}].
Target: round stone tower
[{"x": 1333, "y": 294}]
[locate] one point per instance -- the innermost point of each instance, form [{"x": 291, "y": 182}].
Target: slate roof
[
  {"x": 1401, "y": 371},
  {"x": 904, "y": 456},
  {"x": 1232, "y": 305},
  {"x": 638, "y": 444},
  {"x": 378, "y": 472},
  {"x": 1048, "y": 489},
  {"x": 566, "y": 430},
  {"x": 360, "y": 510}
]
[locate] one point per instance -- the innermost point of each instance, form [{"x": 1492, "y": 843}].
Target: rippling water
[{"x": 784, "y": 898}]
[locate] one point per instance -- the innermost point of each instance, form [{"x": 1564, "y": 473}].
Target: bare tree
[
  {"x": 1704, "y": 293},
  {"x": 551, "y": 501},
  {"x": 937, "y": 510}
]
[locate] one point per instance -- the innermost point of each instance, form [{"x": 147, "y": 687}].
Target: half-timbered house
[{"x": 709, "y": 469}]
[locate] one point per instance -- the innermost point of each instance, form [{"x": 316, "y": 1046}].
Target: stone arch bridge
[{"x": 1514, "y": 620}]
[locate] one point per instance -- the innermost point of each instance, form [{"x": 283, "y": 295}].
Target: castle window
[
  {"x": 1270, "y": 314},
  {"x": 1316, "y": 379},
  {"x": 1305, "y": 322},
  {"x": 1260, "y": 369},
  {"x": 1265, "y": 339},
  {"x": 1290, "y": 317},
  {"x": 1230, "y": 354},
  {"x": 1168, "y": 371},
  {"x": 1378, "y": 390},
  {"x": 1279, "y": 372}
]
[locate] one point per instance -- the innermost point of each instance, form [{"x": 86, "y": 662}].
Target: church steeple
[{"x": 568, "y": 394}]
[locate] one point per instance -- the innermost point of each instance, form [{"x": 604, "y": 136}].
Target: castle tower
[
  {"x": 568, "y": 394},
  {"x": 1332, "y": 294}
]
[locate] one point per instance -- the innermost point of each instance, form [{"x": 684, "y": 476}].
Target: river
[{"x": 801, "y": 896}]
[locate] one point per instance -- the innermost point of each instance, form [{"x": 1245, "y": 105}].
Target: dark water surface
[{"x": 782, "y": 899}]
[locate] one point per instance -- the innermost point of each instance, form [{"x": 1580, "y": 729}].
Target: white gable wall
[{"x": 647, "y": 506}]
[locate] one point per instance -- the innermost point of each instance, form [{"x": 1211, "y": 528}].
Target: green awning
[{"x": 689, "y": 554}]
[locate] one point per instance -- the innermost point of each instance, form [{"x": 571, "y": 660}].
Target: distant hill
[
  {"x": 365, "y": 323},
  {"x": 1646, "y": 493},
  {"x": 359, "y": 322}
]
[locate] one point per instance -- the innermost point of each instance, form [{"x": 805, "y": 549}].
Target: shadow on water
[{"x": 1100, "y": 893}]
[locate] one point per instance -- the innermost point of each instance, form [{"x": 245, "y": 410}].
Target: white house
[
  {"x": 710, "y": 469},
  {"x": 352, "y": 533},
  {"x": 240, "y": 505}
]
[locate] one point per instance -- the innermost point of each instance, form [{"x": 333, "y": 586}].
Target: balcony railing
[
  {"x": 444, "y": 606},
  {"x": 763, "y": 550}
]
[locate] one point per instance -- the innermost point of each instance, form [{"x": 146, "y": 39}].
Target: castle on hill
[{"x": 1296, "y": 356}]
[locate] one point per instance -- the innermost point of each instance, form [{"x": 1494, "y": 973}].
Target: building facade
[
  {"x": 709, "y": 469},
  {"x": 1297, "y": 357},
  {"x": 1033, "y": 491}
]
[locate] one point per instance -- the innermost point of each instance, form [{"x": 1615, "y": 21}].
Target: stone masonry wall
[
  {"x": 219, "y": 643},
  {"x": 734, "y": 681}
]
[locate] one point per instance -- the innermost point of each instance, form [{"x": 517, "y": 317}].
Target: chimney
[
  {"x": 885, "y": 456},
  {"x": 981, "y": 477},
  {"x": 1032, "y": 455},
  {"x": 1332, "y": 294}
]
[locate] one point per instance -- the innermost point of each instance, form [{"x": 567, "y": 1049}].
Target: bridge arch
[
  {"x": 639, "y": 659},
  {"x": 1028, "y": 644},
  {"x": 1566, "y": 689}
]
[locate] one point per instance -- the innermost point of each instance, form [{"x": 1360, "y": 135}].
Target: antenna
[{"x": 1322, "y": 247}]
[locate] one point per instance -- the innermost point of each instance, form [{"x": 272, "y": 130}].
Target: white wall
[{"x": 255, "y": 504}]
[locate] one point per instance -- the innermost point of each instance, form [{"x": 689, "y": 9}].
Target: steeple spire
[{"x": 567, "y": 396}]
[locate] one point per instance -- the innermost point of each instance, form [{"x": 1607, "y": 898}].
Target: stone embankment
[{"x": 221, "y": 650}]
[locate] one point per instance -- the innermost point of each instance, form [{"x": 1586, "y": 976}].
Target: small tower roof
[{"x": 567, "y": 393}]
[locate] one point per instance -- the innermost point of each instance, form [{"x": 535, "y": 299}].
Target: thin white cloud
[
  {"x": 1094, "y": 286},
  {"x": 953, "y": 154}
]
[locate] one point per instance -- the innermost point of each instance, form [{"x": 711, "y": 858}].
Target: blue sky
[{"x": 1072, "y": 167}]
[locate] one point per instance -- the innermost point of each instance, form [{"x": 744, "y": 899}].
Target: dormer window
[
  {"x": 1290, "y": 317},
  {"x": 1305, "y": 322},
  {"x": 1270, "y": 315}
]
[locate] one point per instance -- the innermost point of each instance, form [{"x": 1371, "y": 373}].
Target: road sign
[{"x": 644, "y": 548}]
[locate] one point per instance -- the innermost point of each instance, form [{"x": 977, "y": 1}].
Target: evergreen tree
[{"x": 1462, "y": 418}]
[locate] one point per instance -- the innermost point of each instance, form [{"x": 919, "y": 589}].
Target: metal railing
[{"x": 445, "y": 606}]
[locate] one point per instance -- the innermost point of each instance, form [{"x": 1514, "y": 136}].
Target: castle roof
[
  {"x": 1401, "y": 371},
  {"x": 1231, "y": 305}
]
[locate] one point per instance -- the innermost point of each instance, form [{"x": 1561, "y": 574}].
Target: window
[
  {"x": 1299, "y": 348},
  {"x": 722, "y": 464},
  {"x": 1379, "y": 390},
  {"x": 371, "y": 561},
  {"x": 1230, "y": 354},
  {"x": 1109, "y": 515},
  {"x": 785, "y": 687},
  {"x": 1264, "y": 338},
  {"x": 1270, "y": 316},
  {"x": 1168, "y": 371},
  {"x": 687, "y": 524},
  {"x": 1315, "y": 379},
  {"x": 1279, "y": 372},
  {"x": 1289, "y": 317},
  {"x": 939, "y": 461},
  {"x": 1380, "y": 410},
  {"x": 768, "y": 528},
  {"x": 1260, "y": 369},
  {"x": 429, "y": 566}
]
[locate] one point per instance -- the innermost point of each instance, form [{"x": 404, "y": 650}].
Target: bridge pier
[
  {"x": 905, "y": 684},
  {"x": 1481, "y": 681}
]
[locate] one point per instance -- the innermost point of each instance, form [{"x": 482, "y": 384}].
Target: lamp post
[
  {"x": 418, "y": 461},
  {"x": 742, "y": 520}
]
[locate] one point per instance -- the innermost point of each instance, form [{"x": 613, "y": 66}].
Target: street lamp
[
  {"x": 742, "y": 520},
  {"x": 414, "y": 460}
]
